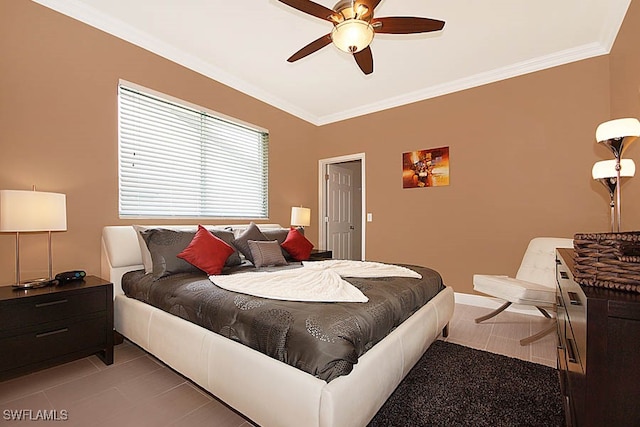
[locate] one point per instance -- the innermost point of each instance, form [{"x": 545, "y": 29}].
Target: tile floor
[
  {"x": 137, "y": 390},
  {"x": 502, "y": 334}
]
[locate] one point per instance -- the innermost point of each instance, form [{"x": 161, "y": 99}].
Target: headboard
[{"x": 120, "y": 250}]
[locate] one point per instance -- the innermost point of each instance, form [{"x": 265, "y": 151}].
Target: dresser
[
  {"x": 43, "y": 327},
  {"x": 598, "y": 350}
]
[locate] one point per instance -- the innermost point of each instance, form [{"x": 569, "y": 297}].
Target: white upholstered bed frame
[{"x": 267, "y": 391}]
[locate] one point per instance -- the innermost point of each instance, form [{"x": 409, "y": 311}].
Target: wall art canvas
[{"x": 425, "y": 168}]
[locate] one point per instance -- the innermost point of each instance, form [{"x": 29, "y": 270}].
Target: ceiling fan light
[{"x": 352, "y": 35}]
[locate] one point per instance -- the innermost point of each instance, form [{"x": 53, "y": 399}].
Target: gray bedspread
[{"x": 323, "y": 339}]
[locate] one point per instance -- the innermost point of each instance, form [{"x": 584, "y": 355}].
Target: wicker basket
[{"x": 608, "y": 260}]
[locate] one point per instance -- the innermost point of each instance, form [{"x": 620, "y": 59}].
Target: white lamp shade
[
  {"x": 352, "y": 35},
  {"x": 24, "y": 211},
  {"x": 607, "y": 169},
  {"x": 618, "y": 128},
  {"x": 300, "y": 216}
]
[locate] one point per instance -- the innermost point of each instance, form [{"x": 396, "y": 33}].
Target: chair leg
[
  {"x": 535, "y": 337},
  {"x": 544, "y": 312},
  {"x": 495, "y": 312}
]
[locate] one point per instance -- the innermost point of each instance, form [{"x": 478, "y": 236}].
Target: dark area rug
[{"x": 453, "y": 385}]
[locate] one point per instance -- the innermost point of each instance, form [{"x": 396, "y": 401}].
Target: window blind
[{"x": 176, "y": 161}]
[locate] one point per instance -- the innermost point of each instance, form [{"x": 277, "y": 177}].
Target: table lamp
[
  {"x": 30, "y": 212},
  {"x": 300, "y": 217}
]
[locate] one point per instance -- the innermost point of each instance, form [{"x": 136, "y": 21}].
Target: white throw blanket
[
  {"x": 317, "y": 281},
  {"x": 348, "y": 268}
]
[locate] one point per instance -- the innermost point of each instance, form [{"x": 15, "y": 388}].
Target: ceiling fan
[{"x": 354, "y": 27}]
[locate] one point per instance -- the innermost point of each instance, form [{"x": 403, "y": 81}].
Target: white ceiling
[{"x": 245, "y": 45}]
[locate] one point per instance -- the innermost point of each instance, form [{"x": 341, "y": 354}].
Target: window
[{"x": 181, "y": 161}]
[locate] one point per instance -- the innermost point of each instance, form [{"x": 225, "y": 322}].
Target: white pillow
[{"x": 144, "y": 250}]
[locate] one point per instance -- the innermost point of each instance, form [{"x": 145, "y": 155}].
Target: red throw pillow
[
  {"x": 297, "y": 245},
  {"x": 207, "y": 252}
]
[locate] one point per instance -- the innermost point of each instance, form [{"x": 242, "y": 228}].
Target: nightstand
[
  {"x": 320, "y": 255},
  {"x": 43, "y": 327}
]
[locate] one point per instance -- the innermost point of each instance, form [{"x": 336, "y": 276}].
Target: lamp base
[{"x": 36, "y": 283}]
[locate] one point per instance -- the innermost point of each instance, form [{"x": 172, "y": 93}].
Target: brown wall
[
  {"x": 521, "y": 149},
  {"x": 521, "y": 152},
  {"x": 58, "y": 121},
  {"x": 624, "y": 62},
  {"x": 625, "y": 72}
]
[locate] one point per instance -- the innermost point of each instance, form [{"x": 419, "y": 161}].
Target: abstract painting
[{"x": 425, "y": 168}]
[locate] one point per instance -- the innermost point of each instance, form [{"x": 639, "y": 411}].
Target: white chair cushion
[
  {"x": 514, "y": 290},
  {"x": 535, "y": 282},
  {"x": 539, "y": 260}
]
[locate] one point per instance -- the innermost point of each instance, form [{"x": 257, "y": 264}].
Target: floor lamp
[
  {"x": 30, "y": 212},
  {"x": 605, "y": 172},
  {"x": 617, "y": 135}
]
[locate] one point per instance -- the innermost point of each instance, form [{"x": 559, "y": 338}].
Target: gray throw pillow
[
  {"x": 242, "y": 241},
  {"x": 227, "y": 237},
  {"x": 164, "y": 246},
  {"x": 266, "y": 253},
  {"x": 280, "y": 234}
]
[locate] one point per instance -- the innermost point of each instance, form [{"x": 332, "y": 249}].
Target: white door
[{"x": 340, "y": 223}]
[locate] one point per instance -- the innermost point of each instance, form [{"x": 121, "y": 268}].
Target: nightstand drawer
[
  {"x": 50, "y": 308},
  {"x": 53, "y": 340}
]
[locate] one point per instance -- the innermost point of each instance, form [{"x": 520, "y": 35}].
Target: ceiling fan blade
[
  {"x": 312, "y": 8},
  {"x": 406, "y": 25},
  {"x": 311, "y": 47},
  {"x": 364, "y": 59}
]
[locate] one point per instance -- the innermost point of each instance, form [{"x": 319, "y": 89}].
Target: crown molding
[
  {"x": 83, "y": 13},
  {"x": 80, "y": 11},
  {"x": 614, "y": 23},
  {"x": 525, "y": 67}
]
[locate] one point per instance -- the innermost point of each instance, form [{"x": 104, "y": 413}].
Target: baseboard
[{"x": 493, "y": 303}]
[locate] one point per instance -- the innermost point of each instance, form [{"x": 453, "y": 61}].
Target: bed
[{"x": 266, "y": 390}]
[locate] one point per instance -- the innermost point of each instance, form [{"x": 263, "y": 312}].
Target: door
[
  {"x": 342, "y": 192},
  {"x": 340, "y": 223}
]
